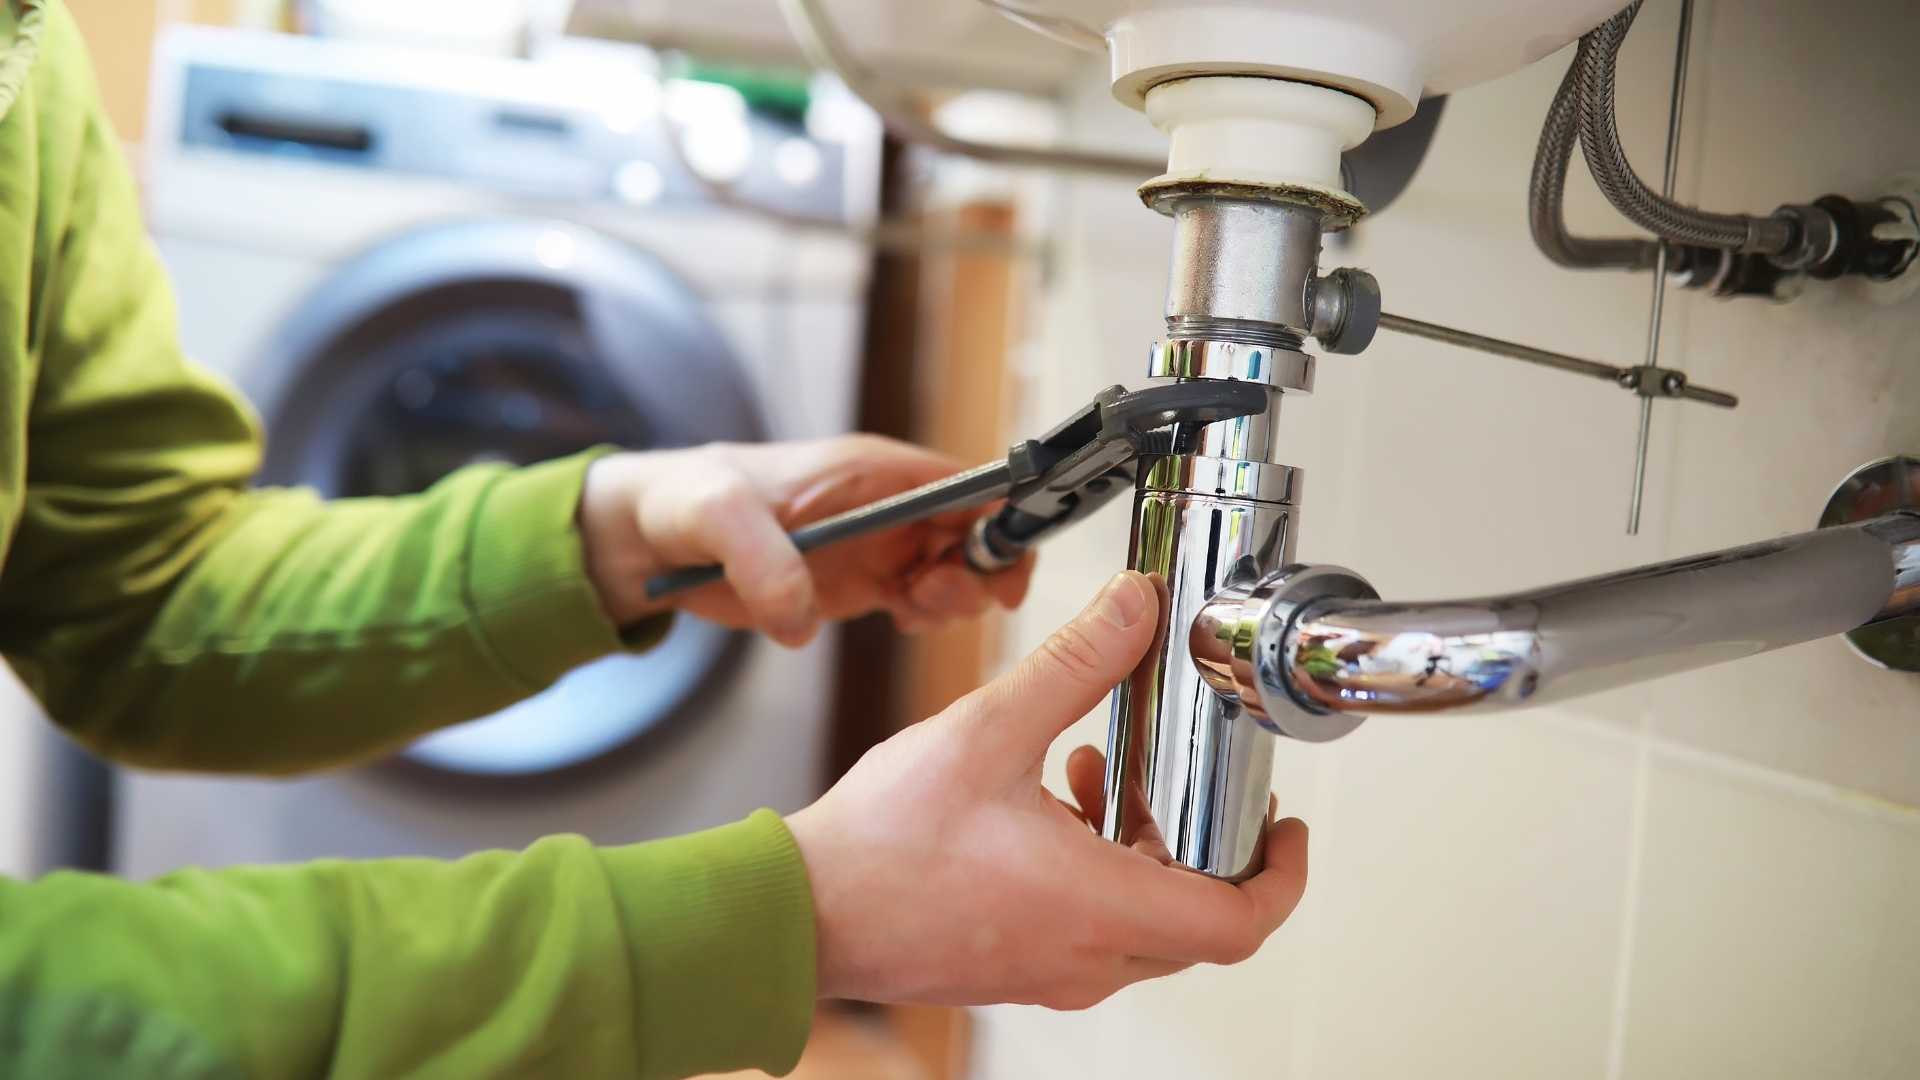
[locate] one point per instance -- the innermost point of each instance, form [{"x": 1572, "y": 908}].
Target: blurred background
[{"x": 429, "y": 233}]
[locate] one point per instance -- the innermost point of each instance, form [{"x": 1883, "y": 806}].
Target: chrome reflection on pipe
[
  {"x": 1187, "y": 771},
  {"x": 1344, "y": 656},
  {"x": 1237, "y": 645}
]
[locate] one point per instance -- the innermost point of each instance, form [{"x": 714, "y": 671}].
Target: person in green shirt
[{"x": 170, "y": 617}]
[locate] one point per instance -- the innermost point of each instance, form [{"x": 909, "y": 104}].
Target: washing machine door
[{"x": 515, "y": 341}]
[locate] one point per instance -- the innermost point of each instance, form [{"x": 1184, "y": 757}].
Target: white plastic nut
[
  {"x": 1375, "y": 54},
  {"x": 1257, "y": 131}
]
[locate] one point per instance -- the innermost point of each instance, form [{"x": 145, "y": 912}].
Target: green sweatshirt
[{"x": 170, "y": 617}]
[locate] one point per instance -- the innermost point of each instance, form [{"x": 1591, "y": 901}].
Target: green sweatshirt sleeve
[
  {"x": 169, "y": 616},
  {"x": 657, "y": 960},
  {"x": 165, "y": 614}
]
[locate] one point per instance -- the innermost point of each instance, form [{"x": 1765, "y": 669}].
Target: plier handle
[{"x": 1048, "y": 482}]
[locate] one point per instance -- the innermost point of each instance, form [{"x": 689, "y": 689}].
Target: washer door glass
[{"x": 443, "y": 376}]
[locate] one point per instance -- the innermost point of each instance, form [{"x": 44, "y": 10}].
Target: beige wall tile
[
  {"x": 1469, "y": 891},
  {"x": 1815, "y": 710},
  {"x": 1470, "y": 884},
  {"x": 1208, "y": 1022},
  {"x": 1774, "y": 935},
  {"x": 1827, "y": 382},
  {"x": 1463, "y": 920}
]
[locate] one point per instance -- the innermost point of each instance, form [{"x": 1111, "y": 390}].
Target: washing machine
[{"x": 410, "y": 261}]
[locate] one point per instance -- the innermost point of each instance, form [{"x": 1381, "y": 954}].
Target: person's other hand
[
  {"x": 732, "y": 504},
  {"x": 943, "y": 872}
]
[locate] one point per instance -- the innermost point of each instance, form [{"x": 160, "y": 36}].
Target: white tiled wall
[
  {"x": 1775, "y": 932},
  {"x": 1710, "y": 876}
]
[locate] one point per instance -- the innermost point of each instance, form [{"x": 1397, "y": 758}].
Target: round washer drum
[{"x": 507, "y": 340}]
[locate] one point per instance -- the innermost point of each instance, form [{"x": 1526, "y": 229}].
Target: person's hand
[
  {"x": 732, "y": 504},
  {"x": 943, "y": 872}
]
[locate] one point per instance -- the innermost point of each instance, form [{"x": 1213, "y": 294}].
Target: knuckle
[
  {"x": 725, "y": 495},
  {"x": 785, "y": 590},
  {"x": 1074, "y": 653}
]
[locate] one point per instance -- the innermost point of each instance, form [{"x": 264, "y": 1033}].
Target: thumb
[{"x": 1077, "y": 666}]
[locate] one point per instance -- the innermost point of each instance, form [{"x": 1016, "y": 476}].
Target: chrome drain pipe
[
  {"x": 1308, "y": 651},
  {"x": 1253, "y": 646},
  {"x": 1187, "y": 771}
]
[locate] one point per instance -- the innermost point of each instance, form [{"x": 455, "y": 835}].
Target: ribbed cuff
[
  {"x": 527, "y": 585},
  {"x": 721, "y": 925}
]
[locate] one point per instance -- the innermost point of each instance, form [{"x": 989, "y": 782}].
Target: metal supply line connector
[{"x": 1645, "y": 380}]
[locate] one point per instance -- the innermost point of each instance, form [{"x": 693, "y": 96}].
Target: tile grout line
[
  {"x": 1852, "y": 799},
  {"x": 1643, "y": 737},
  {"x": 1630, "y": 902},
  {"x": 1862, "y": 802},
  {"x": 1306, "y": 1015}
]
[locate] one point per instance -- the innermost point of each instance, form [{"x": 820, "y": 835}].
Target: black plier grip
[{"x": 1048, "y": 482}]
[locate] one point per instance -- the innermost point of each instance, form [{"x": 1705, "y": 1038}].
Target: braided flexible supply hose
[
  {"x": 1546, "y": 196},
  {"x": 1594, "y": 68}
]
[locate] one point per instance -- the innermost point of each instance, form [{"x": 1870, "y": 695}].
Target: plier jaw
[{"x": 1082, "y": 463}]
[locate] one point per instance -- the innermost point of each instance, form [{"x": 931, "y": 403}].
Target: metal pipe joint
[
  {"x": 1309, "y": 651},
  {"x": 1253, "y": 646},
  {"x": 1186, "y": 768}
]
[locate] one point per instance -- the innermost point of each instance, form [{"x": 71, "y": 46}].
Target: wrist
[
  {"x": 830, "y": 962},
  {"x": 617, "y": 558}
]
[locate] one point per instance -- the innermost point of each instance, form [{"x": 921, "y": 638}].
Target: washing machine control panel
[{"x": 515, "y": 126}]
